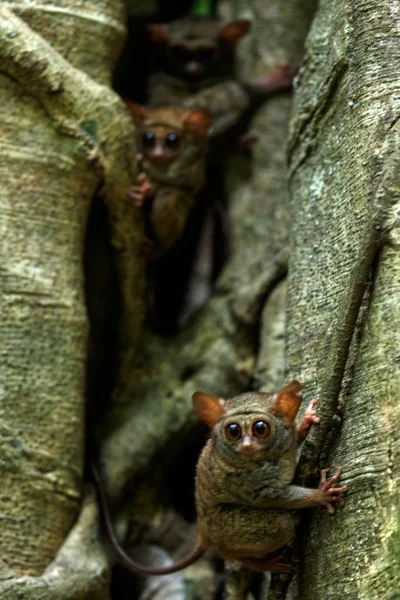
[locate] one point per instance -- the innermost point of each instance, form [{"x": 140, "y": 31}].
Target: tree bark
[
  {"x": 309, "y": 292},
  {"x": 343, "y": 312},
  {"x": 65, "y": 134}
]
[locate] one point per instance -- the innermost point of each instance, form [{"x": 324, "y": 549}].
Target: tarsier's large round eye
[
  {"x": 206, "y": 54},
  {"x": 233, "y": 431},
  {"x": 149, "y": 139},
  {"x": 172, "y": 140},
  {"x": 261, "y": 429},
  {"x": 179, "y": 53}
]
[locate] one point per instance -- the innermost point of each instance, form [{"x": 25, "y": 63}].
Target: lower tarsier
[{"x": 244, "y": 496}]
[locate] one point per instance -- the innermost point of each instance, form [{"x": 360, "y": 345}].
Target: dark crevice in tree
[
  {"x": 313, "y": 120},
  {"x": 103, "y": 301},
  {"x": 171, "y": 273},
  {"x": 130, "y": 75},
  {"x": 174, "y": 471}
]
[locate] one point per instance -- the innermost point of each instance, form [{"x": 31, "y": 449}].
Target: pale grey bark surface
[
  {"x": 329, "y": 247},
  {"x": 65, "y": 135},
  {"x": 343, "y": 288}
]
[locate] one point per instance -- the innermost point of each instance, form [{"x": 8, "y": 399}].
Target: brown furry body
[
  {"x": 244, "y": 495},
  {"x": 173, "y": 172}
]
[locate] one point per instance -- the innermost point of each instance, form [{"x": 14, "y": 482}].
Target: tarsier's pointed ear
[
  {"x": 288, "y": 402},
  {"x": 157, "y": 33},
  {"x": 137, "y": 111},
  {"x": 198, "y": 122},
  {"x": 208, "y": 408},
  {"x": 233, "y": 32}
]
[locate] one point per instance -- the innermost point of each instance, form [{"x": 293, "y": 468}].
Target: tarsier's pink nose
[
  {"x": 247, "y": 447},
  {"x": 194, "y": 68}
]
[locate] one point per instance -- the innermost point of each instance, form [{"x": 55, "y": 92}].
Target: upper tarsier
[
  {"x": 172, "y": 144},
  {"x": 244, "y": 495}
]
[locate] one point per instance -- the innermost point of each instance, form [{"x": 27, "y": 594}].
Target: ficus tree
[{"x": 308, "y": 292}]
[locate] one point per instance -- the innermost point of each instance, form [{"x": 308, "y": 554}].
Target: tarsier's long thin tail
[{"x": 124, "y": 557}]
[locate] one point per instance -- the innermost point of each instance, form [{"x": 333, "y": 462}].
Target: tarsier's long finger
[
  {"x": 330, "y": 508},
  {"x": 336, "y": 476},
  {"x": 310, "y": 412},
  {"x": 338, "y": 490},
  {"x": 136, "y": 198},
  {"x": 133, "y": 194},
  {"x": 323, "y": 475},
  {"x": 339, "y": 501}
]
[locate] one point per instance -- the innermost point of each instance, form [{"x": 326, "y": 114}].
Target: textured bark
[
  {"x": 343, "y": 308},
  {"x": 64, "y": 134}
]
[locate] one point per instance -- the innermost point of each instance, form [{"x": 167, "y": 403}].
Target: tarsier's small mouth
[
  {"x": 248, "y": 450},
  {"x": 159, "y": 160}
]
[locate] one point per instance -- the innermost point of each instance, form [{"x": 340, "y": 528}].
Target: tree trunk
[
  {"x": 309, "y": 291},
  {"x": 64, "y": 135},
  {"x": 343, "y": 309}
]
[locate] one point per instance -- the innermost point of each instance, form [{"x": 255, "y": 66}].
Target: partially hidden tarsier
[
  {"x": 196, "y": 68},
  {"x": 193, "y": 53},
  {"x": 244, "y": 496},
  {"x": 172, "y": 146}
]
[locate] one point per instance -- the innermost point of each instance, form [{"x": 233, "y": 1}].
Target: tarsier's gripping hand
[
  {"x": 245, "y": 141},
  {"x": 278, "y": 80},
  {"x": 140, "y": 192},
  {"x": 309, "y": 418},
  {"x": 328, "y": 493}
]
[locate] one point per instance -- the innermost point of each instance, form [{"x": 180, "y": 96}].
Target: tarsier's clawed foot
[
  {"x": 278, "y": 80},
  {"x": 309, "y": 418},
  {"x": 139, "y": 193},
  {"x": 330, "y": 494},
  {"x": 269, "y": 562},
  {"x": 245, "y": 141}
]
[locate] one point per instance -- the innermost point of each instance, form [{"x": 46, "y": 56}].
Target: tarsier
[
  {"x": 196, "y": 68},
  {"x": 244, "y": 495},
  {"x": 194, "y": 53},
  {"x": 172, "y": 146}
]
